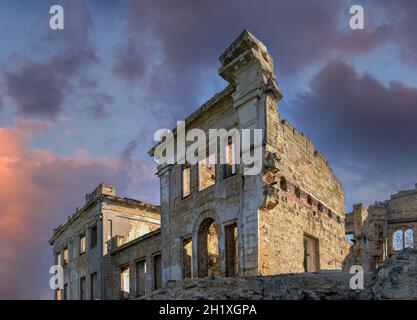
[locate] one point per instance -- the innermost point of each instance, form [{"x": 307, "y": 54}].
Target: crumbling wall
[
  {"x": 396, "y": 280},
  {"x": 128, "y": 219},
  {"x": 360, "y": 251},
  {"x": 303, "y": 198},
  {"x": 131, "y": 254},
  {"x": 248, "y": 68},
  {"x": 79, "y": 265},
  {"x": 376, "y": 238},
  {"x": 401, "y": 214},
  {"x": 282, "y": 232},
  {"x": 181, "y": 216}
]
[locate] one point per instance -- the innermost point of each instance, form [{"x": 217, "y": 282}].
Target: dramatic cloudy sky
[{"x": 80, "y": 106}]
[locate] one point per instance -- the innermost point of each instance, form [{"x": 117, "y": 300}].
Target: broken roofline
[
  {"x": 175, "y": 151},
  {"x": 243, "y": 46},
  {"x": 79, "y": 212},
  {"x": 210, "y": 104}
]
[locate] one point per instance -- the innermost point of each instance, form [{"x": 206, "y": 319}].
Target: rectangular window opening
[
  {"x": 65, "y": 255},
  {"x": 93, "y": 236},
  {"x": 82, "y": 289},
  {"x": 231, "y": 250},
  {"x": 207, "y": 172},
  {"x": 93, "y": 286},
  {"x": 187, "y": 258},
  {"x": 186, "y": 181},
  {"x": 140, "y": 278},
  {"x": 230, "y": 166},
  {"x": 82, "y": 243},
  {"x": 124, "y": 282},
  {"x": 157, "y": 272},
  {"x": 66, "y": 295}
]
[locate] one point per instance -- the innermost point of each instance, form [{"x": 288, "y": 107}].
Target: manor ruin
[
  {"x": 215, "y": 221},
  {"x": 382, "y": 230}
]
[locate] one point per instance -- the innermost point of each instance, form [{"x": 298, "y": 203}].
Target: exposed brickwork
[
  {"x": 394, "y": 281},
  {"x": 289, "y": 217},
  {"x": 373, "y": 229},
  {"x": 272, "y": 222}
]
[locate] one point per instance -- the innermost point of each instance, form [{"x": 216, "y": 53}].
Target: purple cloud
[
  {"x": 130, "y": 61},
  {"x": 39, "y": 189},
  {"x": 36, "y": 91},
  {"x": 39, "y": 88},
  {"x": 170, "y": 48},
  {"x": 99, "y": 109},
  {"x": 400, "y": 20},
  {"x": 367, "y": 129}
]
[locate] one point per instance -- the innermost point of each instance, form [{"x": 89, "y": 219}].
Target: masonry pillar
[{"x": 247, "y": 66}]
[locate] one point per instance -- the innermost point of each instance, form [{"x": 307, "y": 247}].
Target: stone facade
[
  {"x": 396, "y": 280},
  {"x": 217, "y": 220},
  {"x": 288, "y": 218},
  {"x": 81, "y": 244},
  {"x": 382, "y": 230},
  {"x": 139, "y": 256}
]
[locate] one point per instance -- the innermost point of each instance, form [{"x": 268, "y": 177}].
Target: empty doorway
[
  {"x": 231, "y": 249},
  {"x": 311, "y": 254},
  {"x": 208, "y": 248}
]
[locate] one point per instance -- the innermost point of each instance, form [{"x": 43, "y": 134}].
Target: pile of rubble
[{"x": 397, "y": 280}]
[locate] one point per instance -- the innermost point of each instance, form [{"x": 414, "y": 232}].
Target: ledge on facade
[
  {"x": 133, "y": 202},
  {"x": 99, "y": 195},
  {"x": 243, "y": 42},
  {"x": 308, "y": 142},
  {"x": 349, "y": 224},
  {"x": 404, "y": 193},
  {"x": 114, "y": 249},
  {"x": 245, "y": 49},
  {"x": 398, "y": 195},
  {"x": 212, "y": 102}
]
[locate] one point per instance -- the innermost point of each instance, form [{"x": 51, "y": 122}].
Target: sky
[{"x": 80, "y": 106}]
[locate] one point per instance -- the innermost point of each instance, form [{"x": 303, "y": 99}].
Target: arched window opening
[
  {"x": 408, "y": 238},
  {"x": 398, "y": 240},
  {"x": 208, "y": 248}
]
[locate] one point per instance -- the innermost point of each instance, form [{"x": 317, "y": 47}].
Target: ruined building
[
  {"x": 81, "y": 245},
  {"x": 382, "y": 230},
  {"x": 217, "y": 221},
  {"x": 213, "y": 219}
]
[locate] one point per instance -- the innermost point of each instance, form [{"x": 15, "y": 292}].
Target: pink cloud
[{"x": 38, "y": 190}]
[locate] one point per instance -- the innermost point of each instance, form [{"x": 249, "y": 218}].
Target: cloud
[
  {"x": 167, "y": 53},
  {"x": 400, "y": 20},
  {"x": 189, "y": 34},
  {"x": 38, "y": 190},
  {"x": 365, "y": 127},
  {"x": 32, "y": 127},
  {"x": 351, "y": 117},
  {"x": 100, "y": 106},
  {"x": 365, "y": 114},
  {"x": 39, "y": 88},
  {"x": 130, "y": 61},
  {"x": 170, "y": 49},
  {"x": 36, "y": 91}
]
